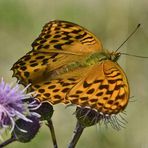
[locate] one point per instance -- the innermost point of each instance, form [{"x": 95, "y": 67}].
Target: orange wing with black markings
[
  {"x": 59, "y": 43},
  {"x": 105, "y": 89},
  {"x": 69, "y": 65}
]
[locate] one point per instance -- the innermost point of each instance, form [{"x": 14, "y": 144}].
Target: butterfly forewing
[
  {"x": 35, "y": 67},
  {"x": 62, "y": 35},
  {"x": 44, "y": 58}
]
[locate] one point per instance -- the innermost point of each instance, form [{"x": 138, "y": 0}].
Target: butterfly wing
[
  {"x": 62, "y": 35},
  {"x": 56, "y": 90},
  {"x": 102, "y": 87},
  {"x": 58, "y": 44},
  {"x": 105, "y": 89},
  {"x": 36, "y": 67}
]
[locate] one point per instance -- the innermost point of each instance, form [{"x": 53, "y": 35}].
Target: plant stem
[
  {"x": 76, "y": 135},
  {"x": 50, "y": 125},
  {"x": 12, "y": 139}
]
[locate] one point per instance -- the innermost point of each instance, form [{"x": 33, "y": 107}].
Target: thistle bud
[
  {"x": 25, "y": 131},
  {"x": 87, "y": 117},
  {"x": 45, "y": 111}
]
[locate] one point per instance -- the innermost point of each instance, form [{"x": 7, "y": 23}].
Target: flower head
[
  {"x": 13, "y": 106},
  {"x": 89, "y": 117}
]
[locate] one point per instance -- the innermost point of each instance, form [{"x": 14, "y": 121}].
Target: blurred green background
[{"x": 111, "y": 20}]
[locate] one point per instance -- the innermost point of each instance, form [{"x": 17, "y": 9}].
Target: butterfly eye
[{"x": 115, "y": 56}]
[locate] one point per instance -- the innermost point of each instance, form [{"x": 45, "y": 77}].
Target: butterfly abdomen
[{"x": 85, "y": 61}]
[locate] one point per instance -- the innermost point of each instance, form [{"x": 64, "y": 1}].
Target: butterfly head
[{"x": 114, "y": 56}]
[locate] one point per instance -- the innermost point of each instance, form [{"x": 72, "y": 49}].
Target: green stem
[
  {"x": 51, "y": 127},
  {"x": 12, "y": 139},
  {"x": 76, "y": 135}
]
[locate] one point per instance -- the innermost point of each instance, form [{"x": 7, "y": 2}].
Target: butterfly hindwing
[
  {"x": 54, "y": 91},
  {"x": 105, "y": 89}
]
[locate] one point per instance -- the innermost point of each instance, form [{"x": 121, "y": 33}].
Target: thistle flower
[{"x": 13, "y": 106}]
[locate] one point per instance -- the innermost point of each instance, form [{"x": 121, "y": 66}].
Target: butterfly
[{"x": 68, "y": 64}]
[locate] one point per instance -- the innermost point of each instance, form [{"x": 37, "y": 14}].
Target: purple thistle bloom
[{"x": 13, "y": 106}]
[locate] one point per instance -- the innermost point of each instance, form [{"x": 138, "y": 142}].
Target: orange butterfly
[{"x": 67, "y": 64}]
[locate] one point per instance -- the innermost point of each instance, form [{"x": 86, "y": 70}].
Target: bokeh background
[{"x": 21, "y": 22}]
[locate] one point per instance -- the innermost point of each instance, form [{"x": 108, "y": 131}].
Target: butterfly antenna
[
  {"x": 128, "y": 37},
  {"x": 133, "y": 55}
]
